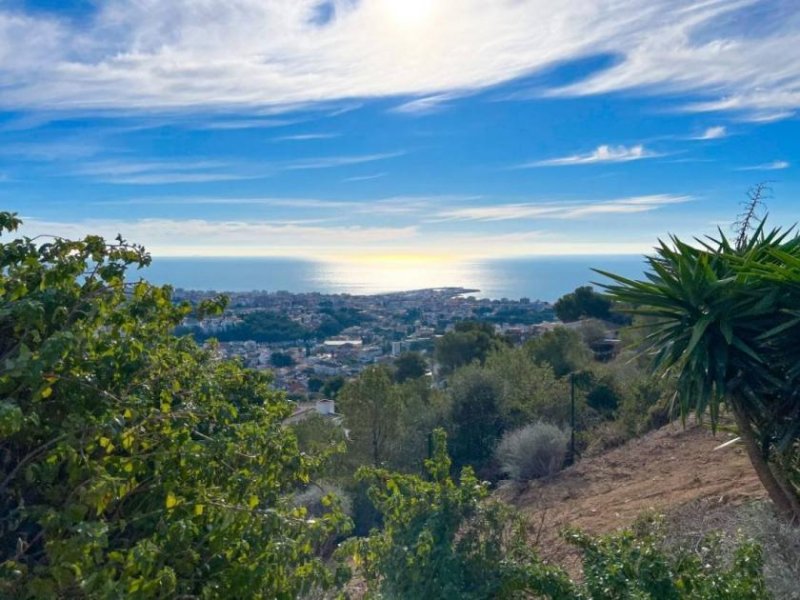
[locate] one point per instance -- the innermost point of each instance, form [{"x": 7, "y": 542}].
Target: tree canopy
[
  {"x": 563, "y": 349},
  {"x": 584, "y": 302},
  {"x": 470, "y": 341},
  {"x": 135, "y": 464},
  {"x": 411, "y": 365}
]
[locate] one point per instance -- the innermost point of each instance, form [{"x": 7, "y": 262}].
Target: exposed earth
[{"x": 662, "y": 471}]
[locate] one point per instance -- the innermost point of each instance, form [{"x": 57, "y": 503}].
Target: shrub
[
  {"x": 636, "y": 563},
  {"x": 605, "y": 436},
  {"x": 780, "y": 541},
  {"x": 134, "y": 463},
  {"x": 443, "y": 538},
  {"x": 534, "y": 451},
  {"x": 658, "y": 416}
]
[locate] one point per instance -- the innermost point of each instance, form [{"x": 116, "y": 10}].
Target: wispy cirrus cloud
[
  {"x": 235, "y": 124},
  {"x": 160, "y": 172},
  {"x": 329, "y": 162},
  {"x": 560, "y": 210},
  {"x": 713, "y": 133},
  {"x": 150, "y": 54},
  {"x": 425, "y": 105},
  {"x": 389, "y": 205},
  {"x": 364, "y": 177},
  {"x": 602, "y": 154},
  {"x": 125, "y": 172},
  {"x": 304, "y": 137},
  {"x": 775, "y": 165}
]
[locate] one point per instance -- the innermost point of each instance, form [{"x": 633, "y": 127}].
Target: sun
[{"x": 408, "y": 13}]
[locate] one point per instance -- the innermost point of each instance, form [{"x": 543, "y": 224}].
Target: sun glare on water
[{"x": 399, "y": 272}]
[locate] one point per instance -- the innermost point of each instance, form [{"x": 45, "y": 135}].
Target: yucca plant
[{"x": 725, "y": 318}]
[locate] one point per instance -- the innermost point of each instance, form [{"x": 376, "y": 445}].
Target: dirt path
[{"x": 659, "y": 472}]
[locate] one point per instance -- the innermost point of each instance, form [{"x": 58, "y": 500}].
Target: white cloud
[
  {"x": 425, "y": 105},
  {"x": 160, "y": 172},
  {"x": 233, "y": 124},
  {"x": 185, "y": 54},
  {"x": 775, "y": 165},
  {"x": 200, "y": 237},
  {"x": 713, "y": 133},
  {"x": 560, "y": 210},
  {"x": 602, "y": 154},
  {"x": 303, "y": 137},
  {"x": 364, "y": 177},
  {"x": 166, "y": 172},
  {"x": 234, "y": 238},
  {"x": 329, "y": 162},
  {"x": 393, "y": 205}
]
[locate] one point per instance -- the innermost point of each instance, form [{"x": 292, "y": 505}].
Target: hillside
[{"x": 662, "y": 471}]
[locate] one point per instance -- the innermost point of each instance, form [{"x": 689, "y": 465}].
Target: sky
[{"x": 389, "y": 130}]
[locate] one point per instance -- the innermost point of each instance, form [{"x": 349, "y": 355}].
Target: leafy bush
[
  {"x": 635, "y": 564},
  {"x": 443, "y": 539},
  {"x": 779, "y": 540},
  {"x": 134, "y": 463},
  {"x": 534, "y": 451}
]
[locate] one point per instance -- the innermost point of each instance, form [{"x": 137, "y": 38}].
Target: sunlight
[
  {"x": 408, "y": 13},
  {"x": 400, "y": 273}
]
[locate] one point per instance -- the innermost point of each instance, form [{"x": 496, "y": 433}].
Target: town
[{"x": 313, "y": 342}]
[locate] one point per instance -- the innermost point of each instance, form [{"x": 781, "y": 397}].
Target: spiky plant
[{"x": 725, "y": 317}]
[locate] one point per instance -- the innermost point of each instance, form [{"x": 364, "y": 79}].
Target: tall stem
[{"x": 786, "y": 503}]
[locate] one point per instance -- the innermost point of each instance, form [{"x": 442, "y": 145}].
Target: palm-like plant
[{"x": 726, "y": 320}]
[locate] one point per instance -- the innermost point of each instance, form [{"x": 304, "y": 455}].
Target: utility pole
[{"x": 572, "y": 418}]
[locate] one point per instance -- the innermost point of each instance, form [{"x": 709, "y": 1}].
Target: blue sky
[{"x": 382, "y": 129}]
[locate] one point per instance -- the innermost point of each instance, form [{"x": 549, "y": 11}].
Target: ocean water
[{"x": 537, "y": 278}]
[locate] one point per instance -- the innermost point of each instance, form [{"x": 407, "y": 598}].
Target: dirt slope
[{"x": 661, "y": 471}]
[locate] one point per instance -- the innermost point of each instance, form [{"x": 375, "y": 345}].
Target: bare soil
[{"x": 660, "y": 472}]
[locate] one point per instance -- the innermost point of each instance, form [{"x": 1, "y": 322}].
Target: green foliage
[
  {"x": 519, "y": 315},
  {"x": 280, "y": 360},
  {"x": 371, "y": 408},
  {"x": 529, "y": 390},
  {"x": 332, "y": 386},
  {"x": 443, "y": 539},
  {"x": 424, "y": 409},
  {"x": 471, "y": 341},
  {"x": 315, "y": 384},
  {"x": 476, "y": 420},
  {"x": 726, "y": 324},
  {"x": 338, "y": 319},
  {"x": 583, "y": 303},
  {"x": 411, "y": 365},
  {"x": 318, "y": 436},
  {"x": 263, "y": 327},
  {"x": 270, "y": 327},
  {"x": 604, "y": 395},
  {"x": 135, "y": 464},
  {"x": 536, "y": 450},
  {"x": 634, "y": 565},
  {"x": 563, "y": 349}
]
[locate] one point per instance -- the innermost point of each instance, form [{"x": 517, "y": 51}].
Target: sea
[{"x": 543, "y": 278}]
